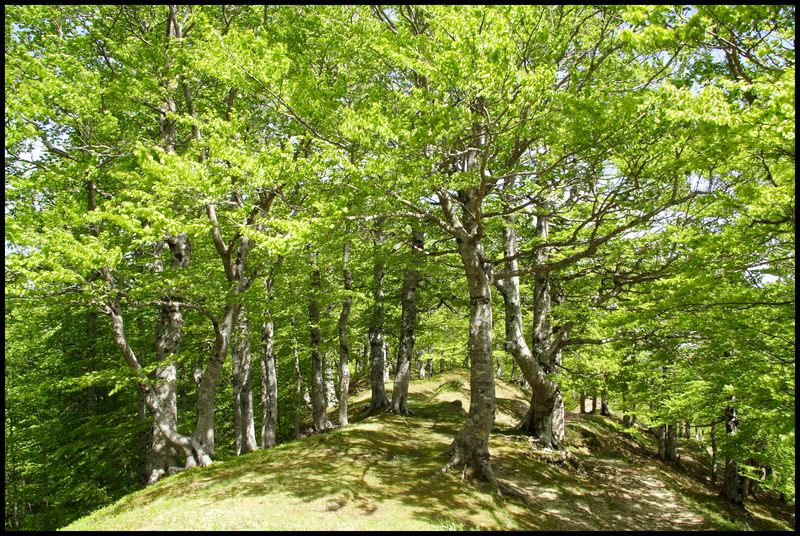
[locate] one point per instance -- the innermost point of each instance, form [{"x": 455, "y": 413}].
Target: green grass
[{"x": 383, "y": 472}]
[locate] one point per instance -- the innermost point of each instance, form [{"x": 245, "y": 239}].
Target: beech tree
[{"x": 294, "y": 183}]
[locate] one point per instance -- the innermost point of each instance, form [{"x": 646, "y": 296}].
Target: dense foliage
[{"x": 643, "y": 156}]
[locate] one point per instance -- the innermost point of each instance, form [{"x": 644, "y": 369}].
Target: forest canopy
[{"x": 217, "y": 217}]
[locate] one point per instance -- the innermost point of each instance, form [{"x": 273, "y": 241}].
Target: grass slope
[{"x": 383, "y": 472}]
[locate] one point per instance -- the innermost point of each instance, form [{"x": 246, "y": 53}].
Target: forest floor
[{"x": 383, "y": 472}]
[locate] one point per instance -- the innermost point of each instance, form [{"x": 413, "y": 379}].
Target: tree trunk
[
  {"x": 269, "y": 383},
  {"x": 344, "y": 345},
  {"x": 298, "y": 388},
  {"x": 499, "y": 372},
  {"x": 582, "y": 404},
  {"x": 408, "y": 319},
  {"x": 544, "y": 419},
  {"x": 713, "y": 454},
  {"x": 661, "y": 436},
  {"x": 193, "y": 451},
  {"x": 162, "y": 454},
  {"x": 319, "y": 407},
  {"x": 594, "y": 402},
  {"x": 604, "y": 411},
  {"x": 470, "y": 447},
  {"x": 242, "y": 386},
  {"x": 671, "y": 442},
  {"x": 330, "y": 381},
  {"x": 734, "y": 486},
  {"x": 378, "y": 398},
  {"x": 207, "y": 391}
]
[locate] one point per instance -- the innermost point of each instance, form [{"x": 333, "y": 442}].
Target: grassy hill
[{"x": 383, "y": 472}]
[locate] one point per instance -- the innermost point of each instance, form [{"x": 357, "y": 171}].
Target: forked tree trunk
[
  {"x": 207, "y": 390},
  {"x": 408, "y": 319},
  {"x": 344, "y": 345},
  {"x": 544, "y": 419}
]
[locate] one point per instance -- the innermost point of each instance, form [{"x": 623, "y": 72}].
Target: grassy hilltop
[{"x": 383, "y": 472}]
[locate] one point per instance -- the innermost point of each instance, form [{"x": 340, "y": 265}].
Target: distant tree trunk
[
  {"x": 499, "y": 372},
  {"x": 734, "y": 486},
  {"x": 698, "y": 433},
  {"x": 408, "y": 319},
  {"x": 378, "y": 398},
  {"x": 242, "y": 387},
  {"x": 344, "y": 345},
  {"x": 514, "y": 370},
  {"x": 298, "y": 388},
  {"x": 713, "y": 454},
  {"x": 604, "y": 411},
  {"x": 582, "y": 404},
  {"x": 144, "y": 438},
  {"x": 422, "y": 372},
  {"x": 319, "y": 408},
  {"x": 365, "y": 356},
  {"x": 269, "y": 383},
  {"x": 671, "y": 442},
  {"x": 661, "y": 436},
  {"x": 328, "y": 376},
  {"x": 594, "y": 402},
  {"x": 442, "y": 366},
  {"x": 387, "y": 360}
]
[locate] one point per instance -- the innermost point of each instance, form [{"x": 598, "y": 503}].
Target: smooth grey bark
[
  {"x": 168, "y": 335},
  {"x": 319, "y": 407},
  {"x": 544, "y": 418},
  {"x": 330, "y": 381},
  {"x": 344, "y": 344},
  {"x": 377, "y": 349},
  {"x": 499, "y": 372},
  {"x": 470, "y": 447},
  {"x": 298, "y": 388},
  {"x": 241, "y": 357},
  {"x": 269, "y": 383},
  {"x": 207, "y": 390},
  {"x": 194, "y": 452},
  {"x": 713, "y": 453}
]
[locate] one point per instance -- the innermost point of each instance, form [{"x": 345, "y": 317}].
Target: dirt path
[{"x": 634, "y": 497}]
